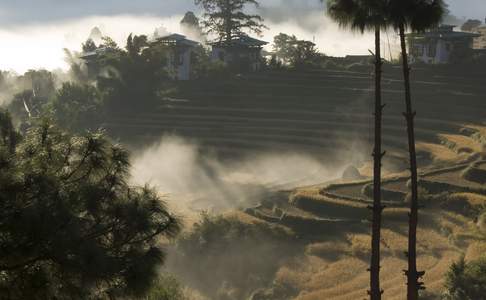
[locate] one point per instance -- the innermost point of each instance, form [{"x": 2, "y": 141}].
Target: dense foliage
[
  {"x": 294, "y": 52},
  {"x": 71, "y": 226},
  {"x": 466, "y": 280},
  {"x": 241, "y": 256},
  {"x": 227, "y": 19}
]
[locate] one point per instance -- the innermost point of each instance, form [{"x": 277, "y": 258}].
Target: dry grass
[
  {"x": 475, "y": 250},
  {"x": 320, "y": 198},
  {"x": 439, "y": 153},
  {"x": 460, "y": 143},
  {"x": 336, "y": 269},
  {"x": 243, "y": 217}
]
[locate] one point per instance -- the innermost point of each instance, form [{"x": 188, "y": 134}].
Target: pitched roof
[
  {"x": 178, "y": 39},
  {"x": 242, "y": 40},
  {"x": 444, "y": 32}
]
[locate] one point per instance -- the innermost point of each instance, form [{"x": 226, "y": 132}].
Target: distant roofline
[
  {"x": 242, "y": 40},
  {"x": 438, "y": 33},
  {"x": 177, "y": 38}
]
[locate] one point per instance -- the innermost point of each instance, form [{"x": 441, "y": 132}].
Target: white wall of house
[
  {"x": 184, "y": 69},
  {"x": 179, "y": 64},
  {"x": 433, "y": 53}
]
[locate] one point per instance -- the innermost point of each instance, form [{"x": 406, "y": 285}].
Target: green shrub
[
  {"x": 224, "y": 257},
  {"x": 466, "y": 281},
  {"x": 166, "y": 287}
]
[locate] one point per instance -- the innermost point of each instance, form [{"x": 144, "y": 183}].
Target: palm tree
[
  {"x": 416, "y": 15},
  {"x": 364, "y": 15}
]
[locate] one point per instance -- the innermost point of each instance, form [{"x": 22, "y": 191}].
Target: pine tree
[
  {"x": 227, "y": 19},
  {"x": 71, "y": 227}
]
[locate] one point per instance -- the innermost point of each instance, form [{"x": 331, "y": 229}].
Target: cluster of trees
[
  {"x": 466, "y": 281},
  {"x": 288, "y": 50},
  {"x": 71, "y": 225},
  {"x": 471, "y": 25},
  {"x": 227, "y": 19}
]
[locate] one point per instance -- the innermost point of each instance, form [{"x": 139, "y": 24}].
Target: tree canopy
[
  {"x": 293, "y": 51},
  {"x": 71, "y": 226},
  {"x": 466, "y": 280},
  {"x": 227, "y": 19},
  {"x": 471, "y": 25}
]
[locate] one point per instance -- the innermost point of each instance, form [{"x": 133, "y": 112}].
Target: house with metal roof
[
  {"x": 243, "y": 53},
  {"x": 179, "y": 57},
  {"x": 441, "y": 45}
]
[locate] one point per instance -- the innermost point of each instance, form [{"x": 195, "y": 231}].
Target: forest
[{"x": 215, "y": 165}]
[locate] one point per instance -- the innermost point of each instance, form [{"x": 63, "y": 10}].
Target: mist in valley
[{"x": 194, "y": 178}]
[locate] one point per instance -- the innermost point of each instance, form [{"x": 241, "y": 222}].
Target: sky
[{"x": 33, "y": 33}]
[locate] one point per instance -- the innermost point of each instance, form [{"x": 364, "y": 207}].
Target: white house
[
  {"x": 243, "y": 53},
  {"x": 441, "y": 45},
  {"x": 179, "y": 56}
]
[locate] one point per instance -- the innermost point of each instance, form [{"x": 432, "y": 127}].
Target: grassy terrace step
[
  {"x": 364, "y": 82},
  {"x": 277, "y": 90},
  {"x": 276, "y": 112},
  {"x": 298, "y": 117},
  {"x": 325, "y": 206},
  {"x": 461, "y": 143},
  {"x": 334, "y": 139},
  {"x": 323, "y": 129},
  {"x": 266, "y": 141}
]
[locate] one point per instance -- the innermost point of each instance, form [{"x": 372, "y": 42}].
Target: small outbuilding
[
  {"x": 441, "y": 45},
  {"x": 243, "y": 53}
]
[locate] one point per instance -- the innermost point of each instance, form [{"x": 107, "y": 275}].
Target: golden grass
[
  {"x": 242, "y": 217},
  {"x": 311, "y": 194},
  {"x": 338, "y": 269},
  {"x": 475, "y": 250},
  {"x": 461, "y": 143},
  {"x": 439, "y": 153}
]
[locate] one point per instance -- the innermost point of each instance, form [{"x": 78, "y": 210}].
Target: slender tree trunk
[
  {"x": 412, "y": 274},
  {"x": 227, "y": 22},
  {"x": 375, "y": 291}
]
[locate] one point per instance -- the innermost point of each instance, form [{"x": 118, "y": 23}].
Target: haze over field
[{"x": 33, "y": 33}]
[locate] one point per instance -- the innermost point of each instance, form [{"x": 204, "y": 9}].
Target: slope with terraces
[
  {"x": 315, "y": 112},
  {"x": 327, "y": 114},
  {"x": 333, "y": 219}
]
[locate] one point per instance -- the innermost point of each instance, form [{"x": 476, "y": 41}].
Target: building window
[
  {"x": 418, "y": 50},
  {"x": 431, "y": 50}
]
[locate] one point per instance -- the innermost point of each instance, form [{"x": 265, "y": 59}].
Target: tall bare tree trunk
[
  {"x": 412, "y": 274},
  {"x": 375, "y": 291}
]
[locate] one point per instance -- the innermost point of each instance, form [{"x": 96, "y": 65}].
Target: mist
[
  {"x": 195, "y": 179},
  {"x": 38, "y": 46}
]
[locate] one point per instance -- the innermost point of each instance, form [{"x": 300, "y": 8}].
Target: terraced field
[
  {"x": 328, "y": 115},
  {"x": 336, "y": 258},
  {"x": 318, "y": 112}
]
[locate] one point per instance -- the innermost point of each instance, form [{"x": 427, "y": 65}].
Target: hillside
[
  {"x": 328, "y": 115},
  {"x": 333, "y": 220},
  {"x": 317, "y": 112}
]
